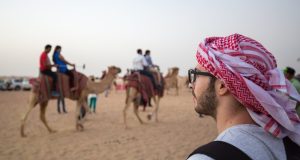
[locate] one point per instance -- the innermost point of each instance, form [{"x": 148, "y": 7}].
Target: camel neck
[{"x": 104, "y": 84}]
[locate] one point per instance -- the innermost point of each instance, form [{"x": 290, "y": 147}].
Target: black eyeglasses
[{"x": 193, "y": 72}]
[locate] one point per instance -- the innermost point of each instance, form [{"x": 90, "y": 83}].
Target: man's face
[
  {"x": 48, "y": 50},
  {"x": 288, "y": 76},
  {"x": 204, "y": 95}
]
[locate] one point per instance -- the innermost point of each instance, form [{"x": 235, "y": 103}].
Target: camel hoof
[
  {"x": 52, "y": 131},
  {"x": 23, "y": 135},
  {"x": 79, "y": 127},
  {"x": 149, "y": 116}
]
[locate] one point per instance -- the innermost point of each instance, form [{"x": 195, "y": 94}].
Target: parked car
[
  {"x": 2, "y": 85},
  {"x": 26, "y": 84},
  {"x": 13, "y": 84},
  {"x": 7, "y": 84}
]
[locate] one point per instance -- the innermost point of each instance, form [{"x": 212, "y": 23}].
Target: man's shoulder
[
  {"x": 244, "y": 133},
  {"x": 251, "y": 140},
  {"x": 43, "y": 54},
  {"x": 138, "y": 57},
  {"x": 295, "y": 82},
  {"x": 254, "y": 141}
]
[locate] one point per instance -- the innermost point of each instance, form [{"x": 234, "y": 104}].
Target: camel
[
  {"x": 133, "y": 95},
  {"x": 90, "y": 87},
  {"x": 171, "y": 79}
]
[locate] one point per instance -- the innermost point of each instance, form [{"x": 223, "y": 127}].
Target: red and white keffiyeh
[{"x": 250, "y": 72}]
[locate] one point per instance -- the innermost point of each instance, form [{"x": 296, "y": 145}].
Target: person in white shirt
[
  {"x": 92, "y": 97},
  {"x": 140, "y": 65}
]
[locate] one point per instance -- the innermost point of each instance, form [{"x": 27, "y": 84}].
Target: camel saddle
[
  {"x": 43, "y": 86},
  {"x": 144, "y": 86}
]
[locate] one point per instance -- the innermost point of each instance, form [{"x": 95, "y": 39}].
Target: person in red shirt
[{"x": 45, "y": 67}]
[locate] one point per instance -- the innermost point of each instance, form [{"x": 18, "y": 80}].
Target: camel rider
[
  {"x": 148, "y": 58},
  {"x": 62, "y": 65},
  {"x": 45, "y": 67},
  {"x": 139, "y": 65}
]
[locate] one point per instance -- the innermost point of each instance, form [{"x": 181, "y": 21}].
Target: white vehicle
[
  {"x": 2, "y": 85},
  {"x": 26, "y": 85},
  {"x": 13, "y": 84}
]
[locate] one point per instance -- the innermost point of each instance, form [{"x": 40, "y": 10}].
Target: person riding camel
[
  {"x": 140, "y": 65},
  {"x": 45, "y": 68},
  {"x": 148, "y": 58},
  {"x": 62, "y": 63}
]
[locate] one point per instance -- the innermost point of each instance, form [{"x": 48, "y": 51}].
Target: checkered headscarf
[{"x": 250, "y": 72}]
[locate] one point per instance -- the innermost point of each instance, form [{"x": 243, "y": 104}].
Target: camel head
[
  {"x": 175, "y": 70},
  {"x": 114, "y": 70}
]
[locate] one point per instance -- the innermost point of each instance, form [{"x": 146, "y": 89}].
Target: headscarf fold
[{"x": 250, "y": 72}]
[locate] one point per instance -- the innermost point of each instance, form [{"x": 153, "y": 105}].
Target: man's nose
[{"x": 191, "y": 85}]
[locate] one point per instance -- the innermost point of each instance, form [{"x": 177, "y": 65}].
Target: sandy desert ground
[{"x": 179, "y": 131}]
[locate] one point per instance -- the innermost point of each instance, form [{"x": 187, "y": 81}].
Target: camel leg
[
  {"x": 33, "y": 101},
  {"x": 86, "y": 108},
  {"x": 136, "y": 112},
  {"x": 42, "y": 116},
  {"x": 177, "y": 87},
  {"x": 155, "y": 109},
  {"x": 78, "y": 116},
  {"x": 127, "y": 105},
  {"x": 130, "y": 95}
]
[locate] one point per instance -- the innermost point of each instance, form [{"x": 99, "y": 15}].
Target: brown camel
[
  {"x": 90, "y": 87},
  {"x": 171, "y": 79},
  {"x": 133, "y": 95}
]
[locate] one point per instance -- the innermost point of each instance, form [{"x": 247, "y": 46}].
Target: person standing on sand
[
  {"x": 237, "y": 82},
  {"x": 92, "y": 99},
  {"x": 289, "y": 74},
  {"x": 61, "y": 105}
]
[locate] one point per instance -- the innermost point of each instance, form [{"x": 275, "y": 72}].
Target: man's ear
[{"x": 220, "y": 87}]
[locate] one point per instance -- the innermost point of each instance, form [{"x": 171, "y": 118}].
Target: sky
[{"x": 100, "y": 33}]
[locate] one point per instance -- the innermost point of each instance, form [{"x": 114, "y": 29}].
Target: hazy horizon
[{"x": 102, "y": 33}]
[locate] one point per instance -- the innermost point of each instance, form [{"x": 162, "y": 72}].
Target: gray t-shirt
[{"x": 252, "y": 140}]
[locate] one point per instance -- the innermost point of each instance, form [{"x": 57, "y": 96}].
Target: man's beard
[{"x": 207, "y": 102}]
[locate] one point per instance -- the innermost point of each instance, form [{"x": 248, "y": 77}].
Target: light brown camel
[
  {"x": 133, "y": 95},
  {"x": 90, "y": 87},
  {"x": 171, "y": 80}
]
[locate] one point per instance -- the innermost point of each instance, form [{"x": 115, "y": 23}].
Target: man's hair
[
  {"x": 147, "y": 52},
  {"x": 48, "y": 46},
  {"x": 139, "y": 51},
  {"x": 290, "y": 70},
  {"x": 213, "y": 79}
]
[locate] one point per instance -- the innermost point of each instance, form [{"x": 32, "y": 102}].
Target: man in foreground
[{"x": 237, "y": 82}]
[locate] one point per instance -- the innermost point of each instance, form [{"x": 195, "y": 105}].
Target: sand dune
[{"x": 174, "y": 137}]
